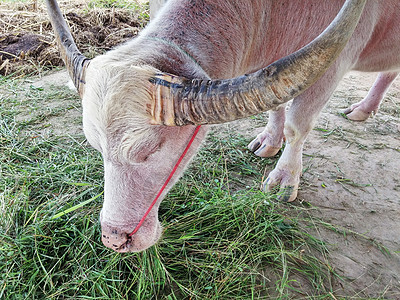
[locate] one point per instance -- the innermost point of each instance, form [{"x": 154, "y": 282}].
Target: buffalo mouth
[{"x": 118, "y": 238}]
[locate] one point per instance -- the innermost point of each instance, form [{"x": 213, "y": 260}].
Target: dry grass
[{"x": 27, "y": 44}]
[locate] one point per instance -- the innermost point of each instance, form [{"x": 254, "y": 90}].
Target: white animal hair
[{"x": 115, "y": 118}]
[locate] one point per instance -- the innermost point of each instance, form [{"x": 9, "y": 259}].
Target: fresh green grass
[{"x": 223, "y": 239}]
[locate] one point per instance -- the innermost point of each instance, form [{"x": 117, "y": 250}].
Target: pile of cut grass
[
  {"x": 223, "y": 238},
  {"x": 27, "y": 42}
]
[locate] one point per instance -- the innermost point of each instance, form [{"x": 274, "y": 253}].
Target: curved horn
[
  {"x": 179, "y": 101},
  {"x": 75, "y": 62}
]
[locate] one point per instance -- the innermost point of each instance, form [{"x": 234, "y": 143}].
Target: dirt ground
[
  {"x": 351, "y": 180},
  {"x": 351, "y": 176}
]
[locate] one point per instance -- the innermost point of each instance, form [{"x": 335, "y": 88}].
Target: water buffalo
[{"x": 204, "y": 62}]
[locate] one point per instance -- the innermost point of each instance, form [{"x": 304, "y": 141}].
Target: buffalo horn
[
  {"x": 75, "y": 62},
  {"x": 179, "y": 101}
]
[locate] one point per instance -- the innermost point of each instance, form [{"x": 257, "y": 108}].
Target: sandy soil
[{"x": 353, "y": 180}]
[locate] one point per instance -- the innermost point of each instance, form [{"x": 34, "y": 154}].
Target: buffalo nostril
[
  {"x": 115, "y": 239},
  {"x": 118, "y": 239}
]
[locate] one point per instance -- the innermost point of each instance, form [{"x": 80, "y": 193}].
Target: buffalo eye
[{"x": 146, "y": 151}]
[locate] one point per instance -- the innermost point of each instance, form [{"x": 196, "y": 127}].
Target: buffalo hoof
[
  {"x": 260, "y": 147},
  {"x": 357, "y": 113},
  {"x": 283, "y": 194},
  {"x": 285, "y": 187}
]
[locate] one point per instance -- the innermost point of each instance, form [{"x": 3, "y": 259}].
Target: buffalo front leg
[
  {"x": 269, "y": 142},
  {"x": 284, "y": 179},
  {"x": 370, "y": 104}
]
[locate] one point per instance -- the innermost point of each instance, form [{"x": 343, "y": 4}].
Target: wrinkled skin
[{"x": 213, "y": 39}]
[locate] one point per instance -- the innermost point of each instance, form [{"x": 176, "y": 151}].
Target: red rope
[{"x": 166, "y": 182}]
